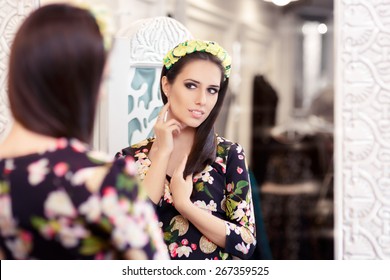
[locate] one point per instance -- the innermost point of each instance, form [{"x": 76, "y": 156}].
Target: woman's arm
[
  {"x": 237, "y": 233},
  {"x": 240, "y": 225},
  {"x": 154, "y": 179},
  {"x": 162, "y": 148},
  {"x": 210, "y": 226}
]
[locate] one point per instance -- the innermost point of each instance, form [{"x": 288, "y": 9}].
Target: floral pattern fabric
[
  {"x": 222, "y": 189},
  {"x": 73, "y": 203}
]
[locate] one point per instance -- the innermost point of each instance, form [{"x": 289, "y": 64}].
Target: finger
[
  {"x": 180, "y": 168},
  {"x": 169, "y": 126},
  {"x": 162, "y": 113},
  {"x": 173, "y": 122},
  {"x": 172, "y": 129}
]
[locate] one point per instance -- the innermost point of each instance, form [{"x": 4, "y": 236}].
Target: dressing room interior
[{"x": 302, "y": 75}]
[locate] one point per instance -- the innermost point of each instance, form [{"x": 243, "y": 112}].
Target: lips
[{"x": 196, "y": 113}]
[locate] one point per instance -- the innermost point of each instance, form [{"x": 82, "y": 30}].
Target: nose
[{"x": 201, "y": 98}]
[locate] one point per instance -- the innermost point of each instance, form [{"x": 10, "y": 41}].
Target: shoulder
[
  {"x": 143, "y": 143},
  {"x": 225, "y": 146},
  {"x": 134, "y": 149},
  {"x": 81, "y": 154}
]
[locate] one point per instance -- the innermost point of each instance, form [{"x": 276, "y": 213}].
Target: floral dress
[
  {"x": 222, "y": 189},
  {"x": 73, "y": 203}
]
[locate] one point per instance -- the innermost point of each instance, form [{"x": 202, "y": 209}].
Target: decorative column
[
  {"x": 12, "y": 12},
  {"x": 363, "y": 129}
]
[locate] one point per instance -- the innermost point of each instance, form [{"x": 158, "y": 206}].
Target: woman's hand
[
  {"x": 209, "y": 225},
  {"x": 165, "y": 130},
  {"x": 181, "y": 189}
]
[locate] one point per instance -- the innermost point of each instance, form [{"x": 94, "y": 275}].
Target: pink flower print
[
  {"x": 60, "y": 169},
  {"x": 99, "y": 256},
  {"x": 124, "y": 204},
  {"x": 5, "y": 208},
  {"x": 194, "y": 246},
  {"x": 82, "y": 175},
  {"x": 184, "y": 242},
  {"x": 9, "y": 166},
  {"x": 25, "y": 236},
  {"x": 239, "y": 170},
  {"x": 109, "y": 191},
  {"x": 37, "y": 171},
  {"x": 173, "y": 249},
  {"x": 130, "y": 166},
  {"x": 173, "y": 253},
  {"x": 242, "y": 248},
  {"x": 61, "y": 143},
  {"x": 58, "y": 203},
  {"x": 167, "y": 194},
  {"x": 19, "y": 247},
  {"x": 69, "y": 236},
  {"x": 229, "y": 187},
  {"x": 91, "y": 208},
  {"x": 78, "y": 146},
  {"x": 241, "y": 157},
  {"x": 48, "y": 231}
]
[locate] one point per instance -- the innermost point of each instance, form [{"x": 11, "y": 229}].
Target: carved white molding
[
  {"x": 12, "y": 13},
  {"x": 151, "y": 38},
  {"x": 133, "y": 99},
  {"x": 363, "y": 121}
]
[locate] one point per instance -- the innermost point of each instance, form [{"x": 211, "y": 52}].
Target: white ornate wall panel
[
  {"x": 134, "y": 95},
  {"x": 12, "y": 12},
  {"x": 363, "y": 136}
]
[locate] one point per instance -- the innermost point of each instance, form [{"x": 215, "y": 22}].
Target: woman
[
  {"x": 198, "y": 180},
  {"x": 58, "y": 198}
]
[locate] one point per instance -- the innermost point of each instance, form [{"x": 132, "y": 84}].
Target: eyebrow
[{"x": 197, "y": 82}]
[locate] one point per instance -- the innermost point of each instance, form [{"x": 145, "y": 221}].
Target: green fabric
[{"x": 263, "y": 250}]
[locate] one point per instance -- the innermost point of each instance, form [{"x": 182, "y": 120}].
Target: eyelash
[{"x": 210, "y": 90}]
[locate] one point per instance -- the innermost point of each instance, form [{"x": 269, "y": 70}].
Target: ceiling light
[
  {"x": 281, "y": 2},
  {"x": 322, "y": 28}
]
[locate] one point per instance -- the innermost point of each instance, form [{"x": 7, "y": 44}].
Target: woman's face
[{"x": 194, "y": 92}]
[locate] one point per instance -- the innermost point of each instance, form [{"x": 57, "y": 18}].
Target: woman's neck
[
  {"x": 184, "y": 141},
  {"x": 21, "y": 141}
]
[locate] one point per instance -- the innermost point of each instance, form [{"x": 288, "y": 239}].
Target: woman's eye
[
  {"x": 190, "y": 85},
  {"x": 213, "y": 90}
]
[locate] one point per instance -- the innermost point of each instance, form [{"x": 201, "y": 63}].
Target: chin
[{"x": 193, "y": 123}]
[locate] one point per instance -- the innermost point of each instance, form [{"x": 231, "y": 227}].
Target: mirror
[
  {"x": 292, "y": 160},
  {"x": 279, "y": 108}
]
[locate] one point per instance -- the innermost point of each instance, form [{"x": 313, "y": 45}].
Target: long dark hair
[
  {"x": 203, "y": 151},
  {"x": 56, "y": 66}
]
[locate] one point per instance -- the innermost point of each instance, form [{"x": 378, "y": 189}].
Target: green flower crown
[{"x": 191, "y": 46}]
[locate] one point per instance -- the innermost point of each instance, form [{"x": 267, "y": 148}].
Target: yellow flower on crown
[
  {"x": 180, "y": 51},
  {"x": 191, "y": 46}
]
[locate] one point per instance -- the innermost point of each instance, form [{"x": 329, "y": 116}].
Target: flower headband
[
  {"x": 103, "y": 20},
  {"x": 191, "y": 46}
]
